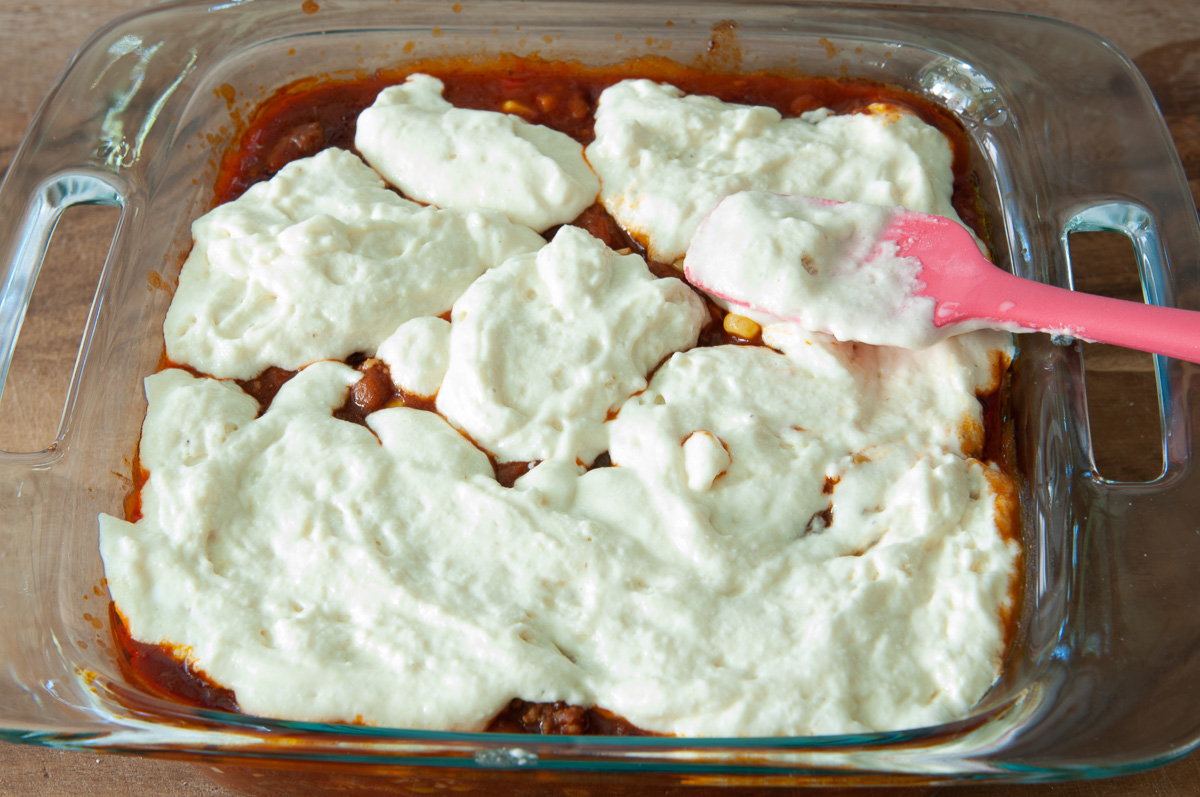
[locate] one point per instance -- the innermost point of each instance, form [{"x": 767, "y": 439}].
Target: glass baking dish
[{"x": 1065, "y": 136}]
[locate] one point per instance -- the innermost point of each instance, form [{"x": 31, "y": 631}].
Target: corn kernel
[
  {"x": 889, "y": 112},
  {"x": 741, "y": 327},
  {"x": 512, "y": 106}
]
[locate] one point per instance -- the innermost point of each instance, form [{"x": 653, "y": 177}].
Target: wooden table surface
[{"x": 36, "y": 38}]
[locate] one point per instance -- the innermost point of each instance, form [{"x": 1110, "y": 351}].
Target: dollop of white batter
[
  {"x": 791, "y": 421},
  {"x": 665, "y": 159},
  {"x": 323, "y": 261},
  {"x": 417, "y": 355},
  {"x": 545, "y": 346},
  {"x": 775, "y": 258},
  {"x": 470, "y": 160},
  {"x": 825, "y": 265},
  {"x": 325, "y": 572}
]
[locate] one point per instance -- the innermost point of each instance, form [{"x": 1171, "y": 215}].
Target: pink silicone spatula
[{"x": 728, "y": 259}]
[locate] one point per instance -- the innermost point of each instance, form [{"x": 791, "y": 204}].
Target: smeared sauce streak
[
  {"x": 561, "y": 719},
  {"x": 162, "y": 670},
  {"x": 133, "y": 501},
  {"x": 312, "y": 114}
]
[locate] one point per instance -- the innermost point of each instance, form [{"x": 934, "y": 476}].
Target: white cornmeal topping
[
  {"x": 666, "y": 159},
  {"x": 323, "y": 261},
  {"x": 543, "y": 347},
  {"x": 323, "y": 572},
  {"x": 775, "y": 258},
  {"x": 791, "y": 542},
  {"x": 417, "y": 354},
  {"x": 705, "y": 459},
  {"x": 925, "y": 397},
  {"x": 812, "y": 633},
  {"x": 790, "y": 422},
  {"x": 468, "y": 160}
]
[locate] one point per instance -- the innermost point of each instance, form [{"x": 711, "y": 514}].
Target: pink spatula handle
[
  {"x": 967, "y": 286},
  {"x": 1002, "y": 297}
]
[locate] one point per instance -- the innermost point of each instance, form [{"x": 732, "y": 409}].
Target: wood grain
[{"x": 38, "y": 36}]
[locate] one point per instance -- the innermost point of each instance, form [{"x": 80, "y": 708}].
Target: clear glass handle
[{"x": 24, "y": 247}]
